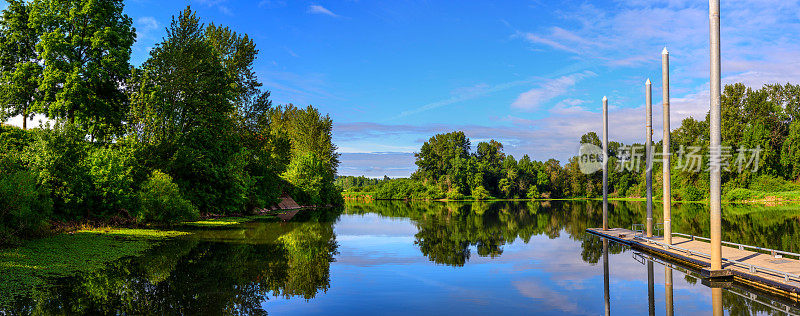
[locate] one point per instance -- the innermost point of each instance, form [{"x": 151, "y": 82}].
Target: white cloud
[
  {"x": 534, "y": 98},
  {"x": 318, "y": 9},
  {"x": 145, "y": 26}
]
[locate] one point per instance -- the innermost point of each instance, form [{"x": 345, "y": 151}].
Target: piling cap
[
  {"x": 648, "y": 81},
  {"x": 664, "y": 52},
  {"x": 605, "y": 99}
]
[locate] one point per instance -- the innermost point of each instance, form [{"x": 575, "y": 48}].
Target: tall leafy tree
[
  {"x": 19, "y": 62},
  {"x": 312, "y": 152},
  {"x": 237, "y": 52},
  {"x": 436, "y": 156},
  {"x": 181, "y": 106},
  {"x": 85, "y": 48},
  {"x": 309, "y": 132}
]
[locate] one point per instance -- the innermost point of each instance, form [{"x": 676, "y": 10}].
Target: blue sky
[{"x": 530, "y": 74}]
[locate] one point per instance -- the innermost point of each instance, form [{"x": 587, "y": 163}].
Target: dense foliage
[
  {"x": 189, "y": 131},
  {"x": 766, "y": 120}
]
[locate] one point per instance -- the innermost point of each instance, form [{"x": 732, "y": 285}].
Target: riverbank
[
  {"x": 86, "y": 249},
  {"x": 736, "y": 196}
]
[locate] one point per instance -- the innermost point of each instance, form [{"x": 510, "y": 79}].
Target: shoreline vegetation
[
  {"x": 754, "y": 197},
  {"x": 86, "y": 249},
  {"x": 189, "y": 133},
  {"x": 761, "y": 161}
]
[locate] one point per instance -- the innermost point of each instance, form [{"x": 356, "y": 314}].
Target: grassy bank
[
  {"x": 226, "y": 221},
  {"x": 756, "y": 196},
  {"x": 32, "y": 264}
]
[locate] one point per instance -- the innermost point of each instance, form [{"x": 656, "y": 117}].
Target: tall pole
[
  {"x": 648, "y": 97},
  {"x": 668, "y": 290},
  {"x": 716, "y": 139},
  {"x": 606, "y": 294},
  {"x": 605, "y": 163},
  {"x": 667, "y": 190}
]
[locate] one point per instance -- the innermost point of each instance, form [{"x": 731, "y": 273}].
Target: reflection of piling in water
[
  {"x": 605, "y": 278},
  {"x": 668, "y": 289},
  {"x": 651, "y": 289},
  {"x": 605, "y": 163},
  {"x": 716, "y": 301}
]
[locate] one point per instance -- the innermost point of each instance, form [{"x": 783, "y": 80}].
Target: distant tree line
[
  {"x": 190, "y": 131},
  {"x": 766, "y": 121}
]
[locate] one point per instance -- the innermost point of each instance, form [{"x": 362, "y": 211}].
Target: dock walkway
[{"x": 767, "y": 272}]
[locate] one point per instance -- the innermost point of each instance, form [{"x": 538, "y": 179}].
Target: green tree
[
  {"x": 19, "y": 62},
  {"x": 58, "y": 158},
  {"x": 182, "y": 109},
  {"x": 312, "y": 180},
  {"x": 308, "y": 132},
  {"x": 436, "y": 155},
  {"x": 790, "y": 152},
  {"x": 85, "y": 48}
]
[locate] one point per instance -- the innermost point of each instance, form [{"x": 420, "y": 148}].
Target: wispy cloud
[
  {"x": 145, "y": 26},
  {"x": 554, "y": 136},
  {"x": 219, "y": 4},
  {"x": 377, "y": 164},
  {"x": 464, "y": 94},
  {"x": 548, "y": 90},
  {"x": 272, "y": 3},
  {"x": 147, "y": 30},
  {"x": 305, "y": 88},
  {"x": 318, "y": 9}
]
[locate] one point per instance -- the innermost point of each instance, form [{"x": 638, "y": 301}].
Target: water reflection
[
  {"x": 668, "y": 290},
  {"x": 722, "y": 297},
  {"x": 651, "y": 292},
  {"x": 228, "y": 271},
  {"x": 423, "y": 258},
  {"x": 606, "y": 292}
]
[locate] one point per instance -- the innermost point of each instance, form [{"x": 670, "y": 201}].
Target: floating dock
[{"x": 765, "y": 269}]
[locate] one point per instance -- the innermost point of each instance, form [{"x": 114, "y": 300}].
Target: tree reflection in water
[
  {"x": 227, "y": 271},
  {"x": 235, "y": 270},
  {"x": 447, "y": 231}
]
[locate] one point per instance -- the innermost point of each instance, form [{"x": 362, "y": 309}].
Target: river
[{"x": 434, "y": 258}]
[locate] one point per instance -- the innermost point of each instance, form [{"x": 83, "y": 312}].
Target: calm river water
[{"x": 424, "y": 258}]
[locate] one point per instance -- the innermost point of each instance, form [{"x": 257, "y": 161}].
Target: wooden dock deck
[{"x": 783, "y": 280}]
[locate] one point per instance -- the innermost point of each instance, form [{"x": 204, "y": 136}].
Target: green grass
[
  {"x": 748, "y": 195},
  {"x": 217, "y": 222},
  {"x": 24, "y": 268},
  {"x": 227, "y": 221}
]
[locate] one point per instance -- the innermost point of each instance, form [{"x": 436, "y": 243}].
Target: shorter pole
[{"x": 648, "y": 97}]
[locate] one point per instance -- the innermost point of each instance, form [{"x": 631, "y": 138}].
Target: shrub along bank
[{"x": 189, "y": 132}]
